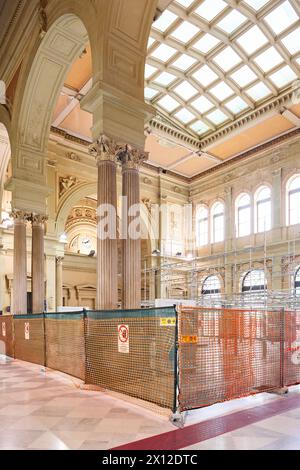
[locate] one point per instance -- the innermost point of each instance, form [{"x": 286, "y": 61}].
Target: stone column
[
  {"x": 59, "y": 281},
  {"x": 105, "y": 151},
  {"x": 131, "y": 159},
  {"x": 38, "y": 263},
  {"x": 19, "y": 306}
]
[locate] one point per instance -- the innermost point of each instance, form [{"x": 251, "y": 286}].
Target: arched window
[
  {"x": 217, "y": 222},
  {"x": 254, "y": 281},
  {"x": 263, "y": 206},
  {"x": 297, "y": 282},
  {"x": 243, "y": 215},
  {"x": 293, "y": 201},
  {"x": 211, "y": 286},
  {"x": 202, "y": 226}
]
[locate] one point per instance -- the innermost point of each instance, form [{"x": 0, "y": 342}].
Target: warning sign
[
  {"x": 123, "y": 339},
  {"x": 26, "y": 330},
  {"x": 3, "y": 329},
  {"x": 168, "y": 321},
  {"x": 189, "y": 339}
]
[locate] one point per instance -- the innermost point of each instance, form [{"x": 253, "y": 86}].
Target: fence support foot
[
  {"x": 280, "y": 391},
  {"x": 177, "y": 419}
]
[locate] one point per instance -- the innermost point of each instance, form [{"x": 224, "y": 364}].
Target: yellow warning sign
[
  {"x": 193, "y": 339},
  {"x": 168, "y": 321}
]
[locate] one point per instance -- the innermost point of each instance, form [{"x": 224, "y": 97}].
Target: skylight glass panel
[
  {"x": 150, "y": 93},
  {"x": 205, "y": 76},
  {"x": 221, "y": 91},
  {"x": 281, "y": 17},
  {"x": 185, "y": 32},
  {"x": 165, "y": 78},
  {"x": 227, "y": 59},
  {"x": 252, "y": 40},
  {"x": 268, "y": 59},
  {"x": 149, "y": 71},
  {"x": 150, "y": 42},
  {"x": 236, "y": 105},
  {"x": 185, "y": 116},
  {"x": 256, "y": 4},
  {"x": 163, "y": 52},
  {"x": 185, "y": 90},
  {"x": 202, "y": 104},
  {"x": 185, "y": 3},
  {"x": 292, "y": 41},
  {"x": 199, "y": 127},
  {"x": 209, "y": 9},
  {"x": 244, "y": 76},
  {"x": 184, "y": 62},
  {"x": 283, "y": 77},
  {"x": 217, "y": 117},
  {"x": 168, "y": 103},
  {"x": 259, "y": 91},
  {"x": 206, "y": 43},
  {"x": 165, "y": 21},
  {"x": 232, "y": 21}
]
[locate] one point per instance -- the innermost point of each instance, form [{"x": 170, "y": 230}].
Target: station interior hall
[{"x": 150, "y": 225}]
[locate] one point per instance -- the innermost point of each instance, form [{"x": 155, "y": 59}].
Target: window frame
[
  {"x": 260, "y": 202},
  {"x": 198, "y": 226},
  {"x": 238, "y": 211},
  {"x": 214, "y": 217},
  {"x": 290, "y": 192},
  {"x": 255, "y": 288}
]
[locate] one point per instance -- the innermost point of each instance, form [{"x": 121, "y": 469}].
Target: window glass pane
[
  {"x": 283, "y": 76},
  {"x": 244, "y": 76},
  {"x": 269, "y": 59},
  {"x": 163, "y": 52},
  {"x": 185, "y": 116},
  {"x": 202, "y": 104},
  {"x": 244, "y": 226},
  {"x": 164, "y": 21},
  {"x": 209, "y": 9},
  {"x": 221, "y": 91},
  {"x": 227, "y": 59},
  {"x": 206, "y": 43},
  {"x": 185, "y": 90},
  {"x": 294, "y": 207},
  {"x": 236, "y": 105},
  {"x": 297, "y": 282},
  {"x": 254, "y": 281},
  {"x": 185, "y": 32},
  {"x": 149, "y": 71},
  {"x": 232, "y": 21},
  {"x": 185, "y": 3},
  {"x": 258, "y": 92},
  {"x": 292, "y": 41},
  {"x": 281, "y": 17},
  {"x": 295, "y": 183},
  {"x": 217, "y": 117},
  {"x": 263, "y": 216},
  {"x": 202, "y": 226},
  {"x": 199, "y": 127},
  {"x": 165, "y": 79},
  {"x": 205, "y": 76},
  {"x": 256, "y": 4},
  {"x": 211, "y": 285},
  {"x": 150, "y": 93},
  {"x": 168, "y": 103},
  {"x": 184, "y": 62},
  {"x": 252, "y": 40}
]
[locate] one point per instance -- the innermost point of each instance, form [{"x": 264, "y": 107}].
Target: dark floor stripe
[{"x": 190, "y": 435}]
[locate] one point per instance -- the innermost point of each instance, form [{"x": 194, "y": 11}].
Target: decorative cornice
[
  {"x": 104, "y": 149},
  {"x": 132, "y": 157}
]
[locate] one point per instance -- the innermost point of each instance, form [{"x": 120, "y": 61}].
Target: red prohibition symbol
[{"x": 123, "y": 333}]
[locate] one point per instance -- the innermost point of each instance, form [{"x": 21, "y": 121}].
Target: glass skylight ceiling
[{"x": 211, "y": 61}]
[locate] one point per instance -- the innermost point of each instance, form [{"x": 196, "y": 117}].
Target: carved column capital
[
  {"x": 59, "y": 259},
  {"x": 104, "y": 149},
  {"x": 38, "y": 219},
  {"x": 132, "y": 157},
  {"x": 20, "y": 216}
]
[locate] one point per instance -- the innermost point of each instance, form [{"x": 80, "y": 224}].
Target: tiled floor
[{"x": 41, "y": 410}]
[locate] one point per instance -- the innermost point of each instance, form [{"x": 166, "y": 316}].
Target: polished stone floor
[{"x": 41, "y": 410}]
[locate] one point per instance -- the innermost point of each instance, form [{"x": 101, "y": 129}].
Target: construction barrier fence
[{"x": 181, "y": 360}]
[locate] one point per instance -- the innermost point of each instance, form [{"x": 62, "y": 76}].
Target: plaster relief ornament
[
  {"x": 66, "y": 183},
  {"x": 73, "y": 156},
  {"x": 43, "y": 18},
  {"x": 147, "y": 203},
  {"x": 104, "y": 149}
]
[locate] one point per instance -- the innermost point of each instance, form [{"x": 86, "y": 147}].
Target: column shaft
[
  {"x": 38, "y": 265},
  {"x": 131, "y": 259},
  {"x": 20, "y": 266},
  {"x": 59, "y": 282},
  {"x": 107, "y": 249}
]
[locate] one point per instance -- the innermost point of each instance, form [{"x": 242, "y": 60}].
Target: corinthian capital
[
  {"x": 104, "y": 149},
  {"x": 132, "y": 157},
  {"x": 20, "y": 215},
  {"x": 38, "y": 219}
]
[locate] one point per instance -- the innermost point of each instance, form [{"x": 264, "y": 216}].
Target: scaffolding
[{"x": 181, "y": 277}]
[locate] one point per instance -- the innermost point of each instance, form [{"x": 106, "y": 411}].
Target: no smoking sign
[{"x": 123, "y": 339}]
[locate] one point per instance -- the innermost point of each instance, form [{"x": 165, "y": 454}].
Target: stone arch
[
  {"x": 5, "y": 148},
  {"x": 78, "y": 193}
]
